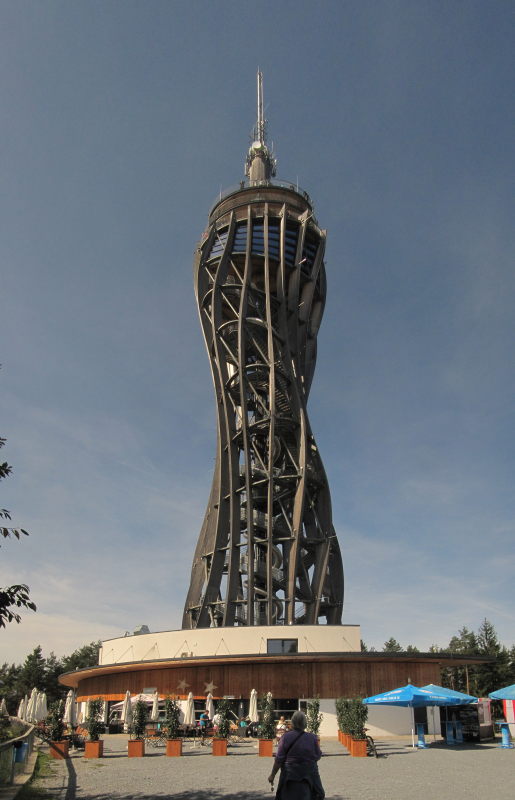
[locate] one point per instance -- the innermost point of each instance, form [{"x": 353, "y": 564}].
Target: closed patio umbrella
[
  {"x": 210, "y": 706},
  {"x": 253, "y": 709},
  {"x": 3, "y": 708},
  {"x": 30, "y": 713},
  {"x": 22, "y": 708},
  {"x": 189, "y": 714},
  {"x": 41, "y": 707},
  {"x": 154, "y": 715},
  {"x": 70, "y": 710},
  {"x": 126, "y": 715}
]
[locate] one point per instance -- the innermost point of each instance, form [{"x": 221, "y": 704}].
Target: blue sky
[{"x": 121, "y": 122}]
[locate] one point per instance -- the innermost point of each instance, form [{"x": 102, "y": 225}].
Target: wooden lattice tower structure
[{"x": 267, "y": 553}]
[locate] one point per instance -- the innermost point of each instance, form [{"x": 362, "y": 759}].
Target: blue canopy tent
[
  {"x": 508, "y": 693},
  {"x": 453, "y": 699},
  {"x": 407, "y": 696}
]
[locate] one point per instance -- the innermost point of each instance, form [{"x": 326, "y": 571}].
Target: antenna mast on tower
[{"x": 260, "y": 164}]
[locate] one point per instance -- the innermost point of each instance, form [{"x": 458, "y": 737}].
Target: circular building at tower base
[{"x": 294, "y": 663}]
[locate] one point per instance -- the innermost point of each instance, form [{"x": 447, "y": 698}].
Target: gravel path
[{"x": 401, "y": 773}]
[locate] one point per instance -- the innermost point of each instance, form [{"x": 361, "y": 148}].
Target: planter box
[
  {"x": 266, "y": 747},
  {"x": 358, "y": 748},
  {"x": 174, "y": 747},
  {"x": 59, "y": 749},
  {"x": 346, "y": 740},
  {"x": 219, "y": 747},
  {"x": 94, "y": 749},
  {"x": 135, "y": 748}
]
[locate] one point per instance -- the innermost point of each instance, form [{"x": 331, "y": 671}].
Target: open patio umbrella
[
  {"x": 253, "y": 709},
  {"x": 189, "y": 714},
  {"x": 408, "y": 696},
  {"x": 126, "y": 715},
  {"x": 210, "y": 706},
  {"x": 70, "y": 710},
  {"x": 154, "y": 714},
  {"x": 507, "y": 693}
]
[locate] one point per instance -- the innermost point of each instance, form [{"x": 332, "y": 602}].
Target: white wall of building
[
  {"x": 250, "y": 640},
  {"x": 383, "y": 721},
  {"x": 397, "y": 721}
]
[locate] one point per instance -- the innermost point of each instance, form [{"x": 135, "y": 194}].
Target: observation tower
[
  {"x": 267, "y": 568},
  {"x": 267, "y": 553}
]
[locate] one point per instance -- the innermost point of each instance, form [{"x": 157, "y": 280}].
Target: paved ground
[{"x": 401, "y": 773}]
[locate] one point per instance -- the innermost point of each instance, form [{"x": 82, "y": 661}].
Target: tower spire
[
  {"x": 260, "y": 115},
  {"x": 260, "y": 164}
]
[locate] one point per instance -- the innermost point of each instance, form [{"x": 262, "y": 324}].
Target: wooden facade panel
[{"x": 295, "y": 679}]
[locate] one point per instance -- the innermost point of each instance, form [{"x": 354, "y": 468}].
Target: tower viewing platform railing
[{"x": 292, "y": 186}]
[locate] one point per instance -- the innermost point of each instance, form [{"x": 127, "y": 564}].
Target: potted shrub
[
  {"x": 224, "y": 729},
  {"x": 136, "y": 744},
  {"x": 340, "y": 717},
  {"x": 267, "y": 727},
  {"x": 344, "y": 715},
  {"x": 94, "y": 747},
  {"x": 314, "y": 717},
  {"x": 58, "y": 745},
  {"x": 172, "y": 727},
  {"x": 359, "y": 714}
]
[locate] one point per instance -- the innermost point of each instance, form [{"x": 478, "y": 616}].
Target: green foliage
[
  {"x": 17, "y": 595},
  {"x": 93, "y": 723},
  {"x": 224, "y": 725},
  {"x": 364, "y": 648},
  {"x": 266, "y": 708},
  {"x": 358, "y": 715},
  {"x": 43, "y": 673},
  {"x": 314, "y": 717},
  {"x": 32, "y": 672},
  {"x": 481, "y": 679},
  {"x": 172, "y": 723},
  {"x": 344, "y": 714},
  {"x": 86, "y": 656},
  {"x": 5, "y": 728},
  {"x": 392, "y": 646},
  {"x": 139, "y": 719},
  {"x": 54, "y": 721}
]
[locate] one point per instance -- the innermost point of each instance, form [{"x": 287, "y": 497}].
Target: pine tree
[
  {"x": 392, "y": 646},
  {"x": 32, "y": 673},
  {"x": 462, "y": 679},
  {"x": 495, "y": 675}
]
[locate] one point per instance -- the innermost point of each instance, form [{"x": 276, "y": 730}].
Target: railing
[
  {"x": 14, "y": 755},
  {"x": 291, "y": 185}
]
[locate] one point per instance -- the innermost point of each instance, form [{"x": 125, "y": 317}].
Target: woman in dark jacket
[{"x": 297, "y": 757}]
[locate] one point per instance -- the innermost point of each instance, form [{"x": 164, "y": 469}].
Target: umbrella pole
[{"x": 412, "y": 726}]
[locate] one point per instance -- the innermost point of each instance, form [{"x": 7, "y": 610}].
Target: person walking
[
  {"x": 280, "y": 728},
  {"x": 297, "y": 758}
]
